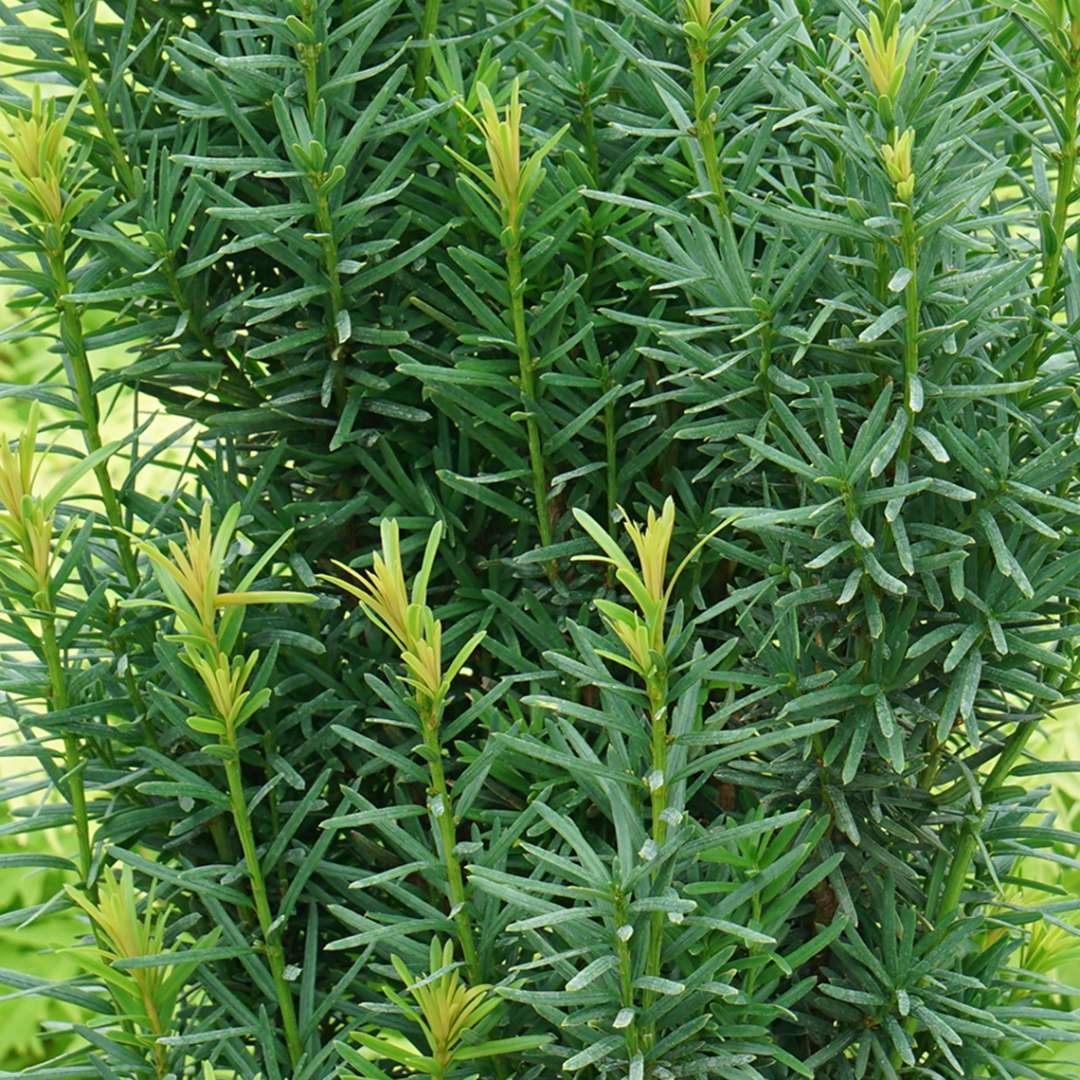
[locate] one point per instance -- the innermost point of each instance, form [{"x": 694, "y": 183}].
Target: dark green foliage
[{"x": 831, "y": 307}]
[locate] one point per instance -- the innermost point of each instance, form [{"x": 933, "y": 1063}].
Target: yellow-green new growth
[
  {"x": 885, "y": 56},
  {"x": 697, "y": 11},
  {"x": 28, "y": 551},
  {"x": 225, "y": 679},
  {"x": 1061, "y": 19},
  {"x": 446, "y": 1009},
  {"x": 642, "y": 632},
  {"x": 37, "y": 166},
  {"x": 643, "y": 635},
  {"x": 511, "y": 183},
  {"x": 23, "y": 521},
  {"x": 26, "y": 518},
  {"x": 405, "y": 616},
  {"x": 145, "y": 996},
  {"x": 702, "y": 18},
  {"x": 897, "y": 158},
  {"x": 190, "y": 577}
]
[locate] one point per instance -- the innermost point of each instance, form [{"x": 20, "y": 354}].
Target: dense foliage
[{"x": 619, "y": 550}]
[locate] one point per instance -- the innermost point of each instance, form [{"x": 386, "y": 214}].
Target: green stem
[
  {"x": 74, "y": 345},
  {"x": 909, "y": 258},
  {"x": 658, "y": 720},
  {"x": 274, "y": 952},
  {"x": 612, "y": 460},
  {"x": 71, "y": 338},
  {"x": 527, "y": 376},
  {"x": 429, "y": 23},
  {"x": 958, "y": 871},
  {"x": 443, "y": 811},
  {"x": 626, "y": 969},
  {"x": 588, "y": 124},
  {"x": 324, "y": 218},
  {"x": 658, "y": 790},
  {"x": 309, "y": 60},
  {"x": 909, "y": 255},
  {"x": 73, "y": 762},
  {"x": 967, "y": 843},
  {"x": 966, "y": 846},
  {"x": 592, "y": 156},
  {"x": 706, "y": 134},
  {"x": 325, "y": 223},
  {"x": 73, "y": 767},
  {"x": 128, "y": 177},
  {"x": 1060, "y": 222}
]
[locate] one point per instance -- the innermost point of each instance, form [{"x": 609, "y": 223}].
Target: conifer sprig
[{"x": 404, "y": 615}]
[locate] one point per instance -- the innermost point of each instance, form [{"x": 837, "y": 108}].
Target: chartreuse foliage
[{"x": 615, "y": 545}]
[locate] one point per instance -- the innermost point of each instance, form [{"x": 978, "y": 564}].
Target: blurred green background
[
  {"x": 36, "y": 948},
  {"x": 40, "y": 948}
]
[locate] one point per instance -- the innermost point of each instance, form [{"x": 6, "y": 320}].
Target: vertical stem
[
  {"x": 588, "y": 124},
  {"x": 909, "y": 258},
  {"x": 958, "y": 871},
  {"x": 592, "y": 157},
  {"x": 429, "y": 23},
  {"x": 612, "y": 470},
  {"x": 73, "y": 763},
  {"x": 966, "y": 845},
  {"x": 658, "y": 789},
  {"x": 156, "y": 1029},
  {"x": 765, "y": 357},
  {"x": 527, "y": 377},
  {"x": 71, "y": 338},
  {"x": 626, "y": 968},
  {"x": 73, "y": 766},
  {"x": 1060, "y": 222},
  {"x": 325, "y": 221},
  {"x": 965, "y": 848},
  {"x": 443, "y": 811},
  {"x": 309, "y": 60},
  {"x": 128, "y": 177},
  {"x": 933, "y": 763},
  {"x": 274, "y": 952},
  {"x": 703, "y": 125},
  {"x": 74, "y": 345}
]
